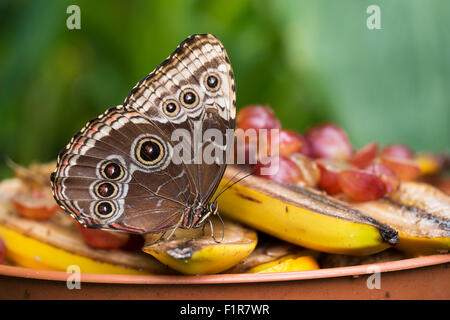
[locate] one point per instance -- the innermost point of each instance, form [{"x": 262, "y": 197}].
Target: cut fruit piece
[
  {"x": 303, "y": 216},
  {"x": 328, "y": 141},
  {"x": 285, "y": 144},
  {"x": 57, "y": 243},
  {"x": 309, "y": 169},
  {"x": 38, "y": 205},
  {"x": 193, "y": 251},
  {"x": 397, "y": 150},
  {"x": 287, "y": 264},
  {"x": 104, "y": 239},
  {"x": 31, "y": 253},
  {"x": 257, "y": 117},
  {"x": 270, "y": 249},
  {"x": 429, "y": 164},
  {"x": 279, "y": 169},
  {"x": 390, "y": 179},
  {"x": 406, "y": 169},
  {"x": 306, "y": 148},
  {"x": 419, "y": 212},
  {"x": 365, "y": 156},
  {"x": 329, "y": 170},
  {"x": 361, "y": 185}
]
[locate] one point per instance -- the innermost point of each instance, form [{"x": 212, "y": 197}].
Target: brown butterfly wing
[
  {"x": 105, "y": 178},
  {"x": 196, "y": 60},
  {"x": 83, "y": 180}
]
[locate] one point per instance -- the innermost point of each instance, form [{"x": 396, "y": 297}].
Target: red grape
[
  {"x": 361, "y": 185},
  {"x": 398, "y": 151},
  {"x": 329, "y": 141},
  {"x": 257, "y": 117},
  {"x": 363, "y": 157},
  {"x": 287, "y": 142},
  {"x": 306, "y": 148},
  {"x": 329, "y": 170},
  {"x": 407, "y": 169},
  {"x": 286, "y": 171},
  {"x": 390, "y": 179}
]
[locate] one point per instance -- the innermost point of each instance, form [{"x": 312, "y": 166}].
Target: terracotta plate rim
[{"x": 397, "y": 265}]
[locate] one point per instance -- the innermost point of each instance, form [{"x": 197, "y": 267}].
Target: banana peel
[
  {"x": 303, "y": 216},
  {"x": 421, "y": 215},
  {"x": 195, "y": 251},
  {"x": 57, "y": 244}
]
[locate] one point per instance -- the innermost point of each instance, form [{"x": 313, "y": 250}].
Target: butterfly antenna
[
  {"x": 225, "y": 188},
  {"x": 229, "y": 181}
]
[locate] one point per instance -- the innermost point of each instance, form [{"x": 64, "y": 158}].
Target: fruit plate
[{"x": 425, "y": 277}]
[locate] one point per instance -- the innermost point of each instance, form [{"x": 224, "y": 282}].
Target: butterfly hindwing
[{"x": 118, "y": 171}]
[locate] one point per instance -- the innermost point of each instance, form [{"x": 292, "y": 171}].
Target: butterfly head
[{"x": 195, "y": 217}]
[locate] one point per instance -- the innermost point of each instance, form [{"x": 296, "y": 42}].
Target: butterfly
[{"x": 118, "y": 173}]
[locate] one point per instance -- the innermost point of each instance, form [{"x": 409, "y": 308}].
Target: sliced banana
[
  {"x": 303, "y": 216},
  {"x": 196, "y": 251},
  {"x": 420, "y": 213},
  {"x": 272, "y": 255},
  {"x": 57, "y": 244}
]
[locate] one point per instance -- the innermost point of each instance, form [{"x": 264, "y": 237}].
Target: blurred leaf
[{"x": 312, "y": 61}]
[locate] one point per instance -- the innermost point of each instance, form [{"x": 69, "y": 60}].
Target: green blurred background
[{"x": 312, "y": 61}]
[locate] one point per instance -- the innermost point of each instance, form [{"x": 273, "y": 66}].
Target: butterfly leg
[
  {"x": 161, "y": 237},
  {"x": 176, "y": 227},
  {"x": 212, "y": 232},
  {"x": 203, "y": 229}
]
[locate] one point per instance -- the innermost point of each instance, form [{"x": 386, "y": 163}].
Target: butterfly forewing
[{"x": 118, "y": 171}]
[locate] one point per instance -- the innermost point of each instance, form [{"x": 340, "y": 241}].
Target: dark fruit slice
[{"x": 134, "y": 243}]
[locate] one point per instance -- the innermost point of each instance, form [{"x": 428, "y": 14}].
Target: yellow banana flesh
[
  {"x": 287, "y": 264},
  {"x": 57, "y": 244},
  {"x": 272, "y": 255},
  {"x": 31, "y": 253},
  {"x": 421, "y": 215},
  {"x": 303, "y": 216},
  {"x": 195, "y": 251}
]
